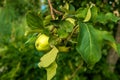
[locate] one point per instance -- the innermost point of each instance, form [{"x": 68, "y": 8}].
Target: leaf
[
  {"x": 66, "y": 6},
  {"x": 88, "y": 16},
  {"x": 62, "y": 33},
  {"x": 111, "y": 17},
  {"x": 94, "y": 13},
  {"x": 51, "y": 70},
  {"x": 48, "y": 58},
  {"x": 47, "y": 20},
  {"x": 101, "y": 18},
  {"x": 31, "y": 39},
  {"x": 104, "y": 18},
  {"x": 81, "y": 13},
  {"x": 71, "y": 8},
  {"x": 66, "y": 25},
  {"x": 109, "y": 39},
  {"x": 89, "y": 43},
  {"x": 34, "y": 20},
  {"x": 71, "y": 20}
]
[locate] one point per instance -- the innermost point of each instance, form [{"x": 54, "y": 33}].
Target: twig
[
  {"x": 74, "y": 73},
  {"x": 58, "y": 12},
  {"x": 68, "y": 38},
  {"x": 51, "y": 9}
]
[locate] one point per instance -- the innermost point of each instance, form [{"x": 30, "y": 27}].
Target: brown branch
[
  {"x": 51, "y": 9},
  {"x": 58, "y": 12}
]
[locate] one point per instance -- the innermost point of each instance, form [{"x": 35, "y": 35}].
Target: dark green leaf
[
  {"x": 89, "y": 43},
  {"x": 34, "y": 20}
]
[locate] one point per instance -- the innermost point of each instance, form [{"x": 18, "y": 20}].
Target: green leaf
[
  {"x": 66, "y": 25},
  {"x": 101, "y": 18},
  {"x": 94, "y": 13},
  {"x": 88, "y": 15},
  {"x": 111, "y": 17},
  {"x": 51, "y": 70},
  {"x": 34, "y": 20},
  {"x": 89, "y": 43},
  {"x": 47, "y": 20},
  {"x": 104, "y": 18},
  {"x": 48, "y": 58},
  {"x": 71, "y": 8},
  {"x": 81, "y": 13},
  {"x": 109, "y": 39},
  {"x": 62, "y": 33}
]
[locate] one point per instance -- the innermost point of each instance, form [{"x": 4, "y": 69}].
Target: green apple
[{"x": 42, "y": 43}]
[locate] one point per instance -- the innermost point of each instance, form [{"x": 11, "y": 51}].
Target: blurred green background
[{"x": 18, "y": 59}]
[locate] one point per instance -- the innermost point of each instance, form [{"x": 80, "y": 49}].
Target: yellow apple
[{"x": 42, "y": 43}]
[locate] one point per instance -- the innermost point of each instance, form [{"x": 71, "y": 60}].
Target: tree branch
[
  {"x": 51, "y": 9},
  {"x": 58, "y": 12}
]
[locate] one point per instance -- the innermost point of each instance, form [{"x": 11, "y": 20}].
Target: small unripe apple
[{"x": 42, "y": 43}]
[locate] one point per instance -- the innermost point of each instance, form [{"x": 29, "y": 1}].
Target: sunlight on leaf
[
  {"x": 48, "y": 58},
  {"x": 51, "y": 70},
  {"x": 88, "y": 16}
]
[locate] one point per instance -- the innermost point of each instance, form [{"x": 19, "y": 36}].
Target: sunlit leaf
[
  {"x": 51, "y": 70},
  {"x": 48, "y": 58},
  {"x": 71, "y": 20},
  {"x": 88, "y": 16}
]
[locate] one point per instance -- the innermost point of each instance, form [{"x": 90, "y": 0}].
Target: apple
[{"x": 42, "y": 43}]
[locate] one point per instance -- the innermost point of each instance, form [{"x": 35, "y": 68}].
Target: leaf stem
[
  {"x": 76, "y": 70},
  {"x": 68, "y": 38}
]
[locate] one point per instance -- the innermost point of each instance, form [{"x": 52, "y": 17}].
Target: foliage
[{"x": 80, "y": 35}]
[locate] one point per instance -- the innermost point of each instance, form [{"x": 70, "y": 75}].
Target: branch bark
[{"x": 51, "y": 10}]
